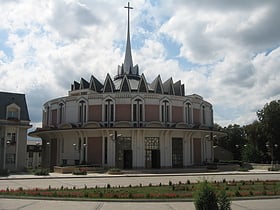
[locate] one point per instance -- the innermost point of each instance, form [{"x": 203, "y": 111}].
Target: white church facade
[{"x": 127, "y": 122}]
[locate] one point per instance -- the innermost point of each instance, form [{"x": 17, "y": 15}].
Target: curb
[
  {"x": 132, "y": 200},
  {"x": 135, "y": 175}
]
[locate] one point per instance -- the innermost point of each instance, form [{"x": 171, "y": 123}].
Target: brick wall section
[
  {"x": 123, "y": 112},
  {"x": 94, "y": 150},
  {"x": 196, "y": 116},
  {"x": 177, "y": 114},
  {"x": 197, "y": 150},
  {"x": 95, "y": 113},
  {"x": 152, "y": 113}
]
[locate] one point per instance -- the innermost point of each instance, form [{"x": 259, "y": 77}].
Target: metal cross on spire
[
  {"x": 128, "y": 65},
  {"x": 128, "y": 8}
]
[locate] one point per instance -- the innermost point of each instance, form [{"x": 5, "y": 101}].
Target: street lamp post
[
  {"x": 79, "y": 149},
  {"x": 271, "y": 147}
]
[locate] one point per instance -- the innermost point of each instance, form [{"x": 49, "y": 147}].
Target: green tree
[
  {"x": 234, "y": 140},
  {"x": 256, "y": 139},
  {"x": 269, "y": 117}
]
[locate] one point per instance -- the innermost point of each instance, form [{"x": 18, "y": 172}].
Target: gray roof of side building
[{"x": 9, "y": 98}]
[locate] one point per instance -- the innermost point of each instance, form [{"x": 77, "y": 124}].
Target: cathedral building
[{"x": 127, "y": 122}]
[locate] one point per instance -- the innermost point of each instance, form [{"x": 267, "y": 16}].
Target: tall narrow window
[
  {"x": 188, "y": 115},
  {"x": 61, "y": 113},
  {"x": 109, "y": 112},
  {"x": 82, "y": 112},
  {"x": 203, "y": 115},
  {"x": 137, "y": 112},
  {"x": 165, "y": 112}
]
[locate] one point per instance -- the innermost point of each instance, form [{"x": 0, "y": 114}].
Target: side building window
[{"x": 13, "y": 112}]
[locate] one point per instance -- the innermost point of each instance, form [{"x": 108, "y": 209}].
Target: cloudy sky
[{"x": 226, "y": 51}]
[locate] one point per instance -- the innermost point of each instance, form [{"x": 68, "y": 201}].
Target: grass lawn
[{"x": 173, "y": 190}]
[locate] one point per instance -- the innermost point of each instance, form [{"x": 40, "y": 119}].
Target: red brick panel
[
  {"x": 196, "y": 116},
  {"x": 197, "y": 151},
  {"x": 123, "y": 112},
  {"x": 95, "y": 113},
  {"x": 177, "y": 114},
  {"x": 151, "y": 113},
  {"x": 94, "y": 150}
]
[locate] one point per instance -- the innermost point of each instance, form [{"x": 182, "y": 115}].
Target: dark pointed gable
[
  {"x": 142, "y": 86},
  {"x": 156, "y": 85},
  {"x": 75, "y": 86},
  {"x": 125, "y": 87},
  {"x": 168, "y": 87},
  {"x": 108, "y": 85},
  {"x": 178, "y": 88},
  {"x": 95, "y": 85},
  {"x": 84, "y": 84}
]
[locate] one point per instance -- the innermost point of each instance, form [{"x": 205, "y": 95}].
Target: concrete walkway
[{"x": 142, "y": 173}]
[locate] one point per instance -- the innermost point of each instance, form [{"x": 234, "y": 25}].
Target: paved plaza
[{"x": 92, "y": 180}]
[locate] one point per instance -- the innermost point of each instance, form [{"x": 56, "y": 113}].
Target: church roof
[{"x": 128, "y": 78}]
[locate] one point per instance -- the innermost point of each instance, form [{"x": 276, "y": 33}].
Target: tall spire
[
  {"x": 128, "y": 64},
  {"x": 127, "y": 68}
]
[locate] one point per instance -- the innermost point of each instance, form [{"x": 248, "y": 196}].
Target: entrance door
[
  {"x": 127, "y": 159},
  {"x": 177, "y": 153},
  {"x": 155, "y": 158}
]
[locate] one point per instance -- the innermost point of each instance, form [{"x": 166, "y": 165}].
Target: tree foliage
[{"x": 258, "y": 141}]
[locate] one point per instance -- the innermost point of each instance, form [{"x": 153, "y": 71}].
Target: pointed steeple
[
  {"x": 128, "y": 64},
  {"x": 127, "y": 67}
]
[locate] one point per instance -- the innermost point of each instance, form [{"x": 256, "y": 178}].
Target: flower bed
[{"x": 160, "y": 191}]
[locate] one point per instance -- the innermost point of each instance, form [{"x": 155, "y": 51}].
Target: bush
[
  {"x": 41, "y": 172},
  {"x": 79, "y": 172},
  {"x": 223, "y": 201},
  {"x": 115, "y": 171},
  {"x": 205, "y": 198}
]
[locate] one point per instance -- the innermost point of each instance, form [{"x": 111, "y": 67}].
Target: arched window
[
  {"x": 165, "y": 112},
  {"x": 188, "y": 113},
  {"x": 82, "y": 112},
  {"x": 13, "y": 112},
  {"x": 137, "y": 112}
]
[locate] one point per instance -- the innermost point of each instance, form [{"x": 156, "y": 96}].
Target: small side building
[
  {"x": 34, "y": 154},
  {"x": 14, "y": 122}
]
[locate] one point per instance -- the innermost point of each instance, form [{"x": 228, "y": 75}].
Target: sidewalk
[{"x": 138, "y": 173}]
